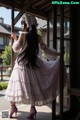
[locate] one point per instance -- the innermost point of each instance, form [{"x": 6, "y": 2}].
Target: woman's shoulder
[{"x": 23, "y": 32}]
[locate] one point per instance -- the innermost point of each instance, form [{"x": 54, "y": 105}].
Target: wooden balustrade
[{"x": 3, "y": 70}]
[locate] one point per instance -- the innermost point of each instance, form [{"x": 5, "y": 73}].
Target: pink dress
[{"x": 41, "y": 85}]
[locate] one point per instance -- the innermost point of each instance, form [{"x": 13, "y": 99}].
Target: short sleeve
[{"x": 16, "y": 46}]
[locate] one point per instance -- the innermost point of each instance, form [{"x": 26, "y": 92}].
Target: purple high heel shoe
[
  {"x": 32, "y": 114},
  {"x": 13, "y": 110}
]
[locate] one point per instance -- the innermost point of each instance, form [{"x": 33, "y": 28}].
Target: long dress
[{"x": 41, "y": 85}]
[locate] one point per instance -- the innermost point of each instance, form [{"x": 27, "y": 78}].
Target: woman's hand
[{"x": 14, "y": 36}]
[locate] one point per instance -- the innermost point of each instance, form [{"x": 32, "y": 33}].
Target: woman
[{"x": 33, "y": 80}]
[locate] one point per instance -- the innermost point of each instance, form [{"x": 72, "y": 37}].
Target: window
[
  {"x": 1, "y": 41},
  {"x": 8, "y": 41}
]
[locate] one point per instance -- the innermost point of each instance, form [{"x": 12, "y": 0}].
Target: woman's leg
[
  {"x": 12, "y": 103},
  {"x": 33, "y": 104},
  {"x": 13, "y": 109},
  {"x": 33, "y": 111}
]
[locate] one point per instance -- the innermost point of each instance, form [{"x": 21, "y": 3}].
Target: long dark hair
[{"x": 32, "y": 48}]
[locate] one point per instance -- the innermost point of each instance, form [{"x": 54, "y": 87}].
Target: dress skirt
[{"x": 40, "y": 85}]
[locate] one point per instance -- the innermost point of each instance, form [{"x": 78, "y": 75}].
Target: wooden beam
[
  {"x": 4, "y": 3},
  {"x": 45, "y": 5},
  {"x": 49, "y": 8},
  {"x": 66, "y": 39},
  {"x": 20, "y": 2},
  {"x": 19, "y": 7},
  {"x": 55, "y": 47},
  {"x": 68, "y": 18},
  {"x": 26, "y": 7},
  {"x": 48, "y": 31},
  {"x": 34, "y": 1},
  {"x": 66, "y": 8},
  {"x": 37, "y": 13},
  {"x": 61, "y": 60},
  {"x": 39, "y": 2},
  {"x": 9, "y": 4}
]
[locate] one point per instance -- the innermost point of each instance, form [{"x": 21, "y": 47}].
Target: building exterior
[{"x": 5, "y": 33}]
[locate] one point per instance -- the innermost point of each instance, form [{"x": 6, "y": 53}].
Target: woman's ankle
[
  {"x": 12, "y": 104},
  {"x": 32, "y": 106}
]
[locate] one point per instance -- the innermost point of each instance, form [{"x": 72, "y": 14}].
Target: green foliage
[
  {"x": 66, "y": 57},
  {"x": 6, "y": 55},
  {"x": 3, "y": 85}
]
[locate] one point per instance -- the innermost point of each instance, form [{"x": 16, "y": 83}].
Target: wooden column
[
  {"x": 75, "y": 59},
  {"x": 61, "y": 59},
  {"x": 54, "y": 46},
  {"x": 48, "y": 31},
  {"x": 12, "y": 30}
]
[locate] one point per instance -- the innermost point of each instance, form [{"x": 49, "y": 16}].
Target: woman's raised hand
[{"x": 14, "y": 36}]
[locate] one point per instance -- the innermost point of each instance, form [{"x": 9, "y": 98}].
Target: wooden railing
[{"x": 4, "y": 71}]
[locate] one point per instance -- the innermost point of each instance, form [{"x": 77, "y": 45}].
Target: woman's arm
[
  {"x": 47, "y": 50},
  {"x": 17, "y": 44},
  {"x": 20, "y": 38}
]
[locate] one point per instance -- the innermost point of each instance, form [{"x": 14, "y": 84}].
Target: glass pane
[
  {"x": 66, "y": 28},
  {"x": 1, "y": 41},
  {"x": 51, "y": 30},
  {"x": 9, "y": 41},
  {"x": 67, "y": 52}
]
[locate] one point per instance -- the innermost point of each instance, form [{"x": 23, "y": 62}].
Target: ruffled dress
[{"x": 40, "y": 85}]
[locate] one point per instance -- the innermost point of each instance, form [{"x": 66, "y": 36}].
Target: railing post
[
  {"x": 12, "y": 30},
  {"x": 54, "y": 46},
  {"x": 1, "y": 72}
]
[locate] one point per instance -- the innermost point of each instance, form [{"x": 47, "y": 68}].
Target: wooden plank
[
  {"x": 74, "y": 91},
  {"x": 45, "y": 5},
  {"x": 12, "y": 30},
  {"x": 66, "y": 8},
  {"x": 20, "y": 1},
  {"x": 55, "y": 27},
  {"x": 61, "y": 60},
  {"x": 1, "y": 73},
  {"x": 3, "y": 3},
  {"x": 39, "y": 3},
  {"x": 8, "y": 4},
  {"x": 66, "y": 39},
  {"x": 54, "y": 46},
  {"x": 49, "y": 8},
  {"x": 34, "y": 2}
]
